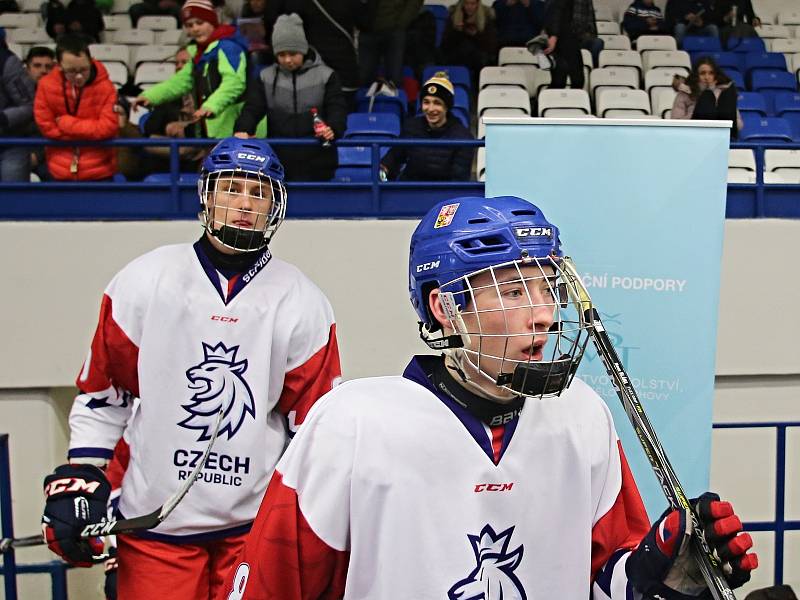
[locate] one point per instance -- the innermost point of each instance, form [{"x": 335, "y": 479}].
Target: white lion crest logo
[
  {"x": 493, "y": 577},
  {"x": 217, "y": 382}
]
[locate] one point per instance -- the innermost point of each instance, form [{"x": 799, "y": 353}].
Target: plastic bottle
[{"x": 319, "y": 126}]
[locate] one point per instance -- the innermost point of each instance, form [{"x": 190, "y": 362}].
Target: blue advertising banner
[{"x": 641, "y": 207}]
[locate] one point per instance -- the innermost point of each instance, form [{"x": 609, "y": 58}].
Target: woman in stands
[
  {"x": 707, "y": 94},
  {"x": 432, "y": 163},
  {"x": 470, "y": 36}
]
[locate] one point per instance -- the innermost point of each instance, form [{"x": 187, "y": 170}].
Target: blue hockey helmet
[
  {"x": 237, "y": 179},
  {"x": 512, "y": 241}
]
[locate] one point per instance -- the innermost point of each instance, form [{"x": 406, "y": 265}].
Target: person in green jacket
[{"x": 216, "y": 76}]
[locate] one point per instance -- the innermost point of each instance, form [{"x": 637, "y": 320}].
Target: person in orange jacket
[{"x": 76, "y": 102}]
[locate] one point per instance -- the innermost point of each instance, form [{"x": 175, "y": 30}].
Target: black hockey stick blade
[
  {"x": 662, "y": 467},
  {"x": 115, "y": 526}
]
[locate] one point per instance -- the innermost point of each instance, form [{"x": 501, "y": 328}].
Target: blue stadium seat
[
  {"x": 698, "y": 43},
  {"x": 747, "y": 44},
  {"x": 786, "y": 102},
  {"x": 397, "y": 105},
  {"x": 167, "y": 178},
  {"x": 458, "y": 75},
  {"x": 726, "y": 60},
  {"x": 766, "y": 129},
  {"x": 352, "y": 175},
  {"x": 752, "y": 104},
  {"x": 775, "y": 81},
  {"x": 793, "y": 118},
  {"x": 372, "y": 125},
  {"x": 357, "y": 156},
  {"x": 766, "y": 61},
  {"x": 736, "y": 77}
]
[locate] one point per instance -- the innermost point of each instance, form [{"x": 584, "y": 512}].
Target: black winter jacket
[{"x": 431, "y": 163}]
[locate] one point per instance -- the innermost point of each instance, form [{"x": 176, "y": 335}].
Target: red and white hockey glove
[
  {"x": 662, "y": 565},
  {"x": 75, "y": 496}
]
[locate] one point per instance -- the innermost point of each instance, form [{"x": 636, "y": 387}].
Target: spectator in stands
[
  {"x": 737, "y": 19},
  {"x": 691, "y": 17},
  {"x": 130, "y": 159},
  {"x": 518, "y": 21},
  {"x": 154, "y": 8},
  {"x": 55, "y": 18},
  {"x": 76, "y": 102},
  {"x": 286, "y": 93},
  {"x": 643, "y": 17},
  {"x": 16, "y": 113},
  {"x": 470, "y": 36},
  {"x": 9, "y": 6},
  {"x": 382, "y": 36},
  {"x": 569, "y": 24},
  {"x": 216, "y": 75},
  {"x": 330, "y": 29},
  {"x": 225, "y": 14},
  {"x": 255, "y": 23},
  {"x": 707, "y": 94},
  {"x": 85, "y": 18},
  {"x": 432, "y": 163},
  {"x": 421, "y": 50},
  {"x": 39, "y": 62}
]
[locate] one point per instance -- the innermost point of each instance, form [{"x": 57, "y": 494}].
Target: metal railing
[
  {"x": 57, "y": 569},
  {"x": 176, "y": 199}
]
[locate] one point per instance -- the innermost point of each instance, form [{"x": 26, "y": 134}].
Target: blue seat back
[
  {"x": 725, "y": 60},
  {"x": 786, "y": 102},
  {"x": 773, "y": 80},
  {"x": 372, "y": 125},
  {"x": 746, "y": 44},
  {"x": 397, "y": 105},
  {"x": 752, "y": 102},
  {"x": 771, "y": 129},
  {"x": 352, "y": 175},
  {"x": 699, "y": 43}
]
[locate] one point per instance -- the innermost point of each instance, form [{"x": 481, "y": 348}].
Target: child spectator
[
  {"x": 216, "y": 75},
  {"x": 286, "y": 93},
  {"x": 76, "y": 102},
  {"x": 643, "y": 17},
  {"x": 432, "y": 163},
  {"x": 470, "y": 36}
]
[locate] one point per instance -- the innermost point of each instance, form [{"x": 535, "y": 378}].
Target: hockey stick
[
  {"x": 707, "y": 560},
  {"x": 114, "y": 526}
]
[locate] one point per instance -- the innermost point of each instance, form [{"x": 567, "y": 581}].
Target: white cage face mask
[
  {"x": 522, "y": 326},
  {"x": 242, "y": 209}
]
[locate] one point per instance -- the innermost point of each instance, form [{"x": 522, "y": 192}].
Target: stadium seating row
[
  {"x": 129, "y": 37},
  {"x": 33, "y": 20},
  {"x": 780, "y": 166}
]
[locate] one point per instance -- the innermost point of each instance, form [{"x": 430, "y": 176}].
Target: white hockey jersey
[
  {"x": 392, "y": 490},
  {"x": 186, "y": 341}
]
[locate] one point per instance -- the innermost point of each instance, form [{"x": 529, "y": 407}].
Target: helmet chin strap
[
  {"x": 240, "y": 239},
  {"x": 454, "y": 360}
]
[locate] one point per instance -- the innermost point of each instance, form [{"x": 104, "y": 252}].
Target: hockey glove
[
  {"x": 111, "y": 566},
  {"x": 75, "y": 495},
  {"x": 662, "y": 566}
]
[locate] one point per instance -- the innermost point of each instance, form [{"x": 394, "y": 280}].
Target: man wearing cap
[
  {"x": 432, "y": 163},
  {"x": 216, "y": 75},
  {"x": 287, "y": 93}
]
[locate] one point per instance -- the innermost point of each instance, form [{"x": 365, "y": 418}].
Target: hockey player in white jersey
[
  {"x": 488, "y": 473},
  {"x": 191, "y": 329}
]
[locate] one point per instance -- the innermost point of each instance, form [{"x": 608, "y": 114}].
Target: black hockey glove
[
  {"x": 111, "y": 566},
  {"x": 662, "y": 565},
  {"x": 75, "y": 496}
]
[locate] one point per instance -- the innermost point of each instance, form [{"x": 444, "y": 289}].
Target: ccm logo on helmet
[
  {"x": 427, "y": 266},
  {"x": 521, "y": 232},
  {"x": 247, "y": 156}
]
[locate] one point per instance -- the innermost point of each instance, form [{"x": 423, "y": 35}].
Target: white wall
[{"x": 54, "y": 274}]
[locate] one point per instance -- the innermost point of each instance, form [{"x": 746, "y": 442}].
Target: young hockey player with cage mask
[
  {"x": 195, "y": 331},
  {"x": 489, "y": 472}
]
